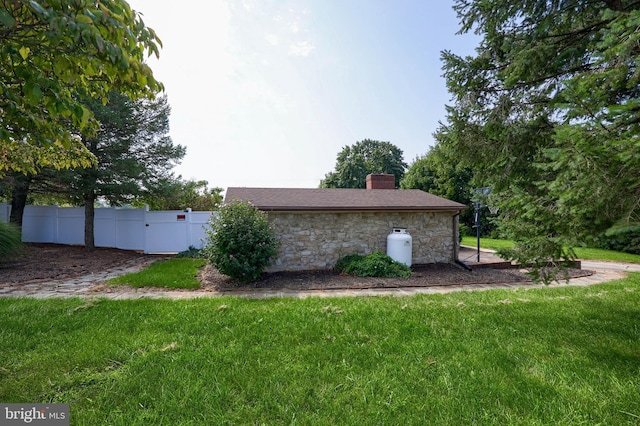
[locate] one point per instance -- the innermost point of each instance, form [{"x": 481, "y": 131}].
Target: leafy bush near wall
[
  {"x": 10, "y": 240},
  {"x": 345, "y": 262},
  {"x": 240, "y": 242},
  {"x": 376, "y": 264}
]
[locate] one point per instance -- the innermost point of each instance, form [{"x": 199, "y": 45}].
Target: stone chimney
[{"x": 381, "y": 181}]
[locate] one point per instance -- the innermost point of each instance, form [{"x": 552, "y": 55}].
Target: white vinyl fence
[
  {"x": 127, "y": 229},
  {"x": 5, "y": 211}
]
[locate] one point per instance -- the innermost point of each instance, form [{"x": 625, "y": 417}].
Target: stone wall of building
[{"x": 315, "y": 241}]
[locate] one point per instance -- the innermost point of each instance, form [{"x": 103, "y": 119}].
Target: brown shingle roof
[{"x": 310, "y": 199}]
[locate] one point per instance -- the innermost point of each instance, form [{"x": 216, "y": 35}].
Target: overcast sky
[{"x": 265, "y": 93}]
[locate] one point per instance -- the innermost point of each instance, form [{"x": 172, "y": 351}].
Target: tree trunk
[
  {"x": 21, "y": 184},
  {"x": 89, "y": 214}
]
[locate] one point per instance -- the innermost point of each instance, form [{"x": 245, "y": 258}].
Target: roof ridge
[{"x": 341, "y": 199}]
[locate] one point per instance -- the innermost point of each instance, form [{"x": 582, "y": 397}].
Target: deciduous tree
[
  {"x": 355, "y": 162},
  {"x": 55, "y": 55}
]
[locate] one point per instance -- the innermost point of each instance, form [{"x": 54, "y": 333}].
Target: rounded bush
[{"x": 240, "y": 242}]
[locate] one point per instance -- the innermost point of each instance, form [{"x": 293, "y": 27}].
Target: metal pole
[{"x": 477, "y": 206}]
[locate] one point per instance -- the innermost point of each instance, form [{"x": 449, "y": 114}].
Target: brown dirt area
[{"x": 41, "y": 262}]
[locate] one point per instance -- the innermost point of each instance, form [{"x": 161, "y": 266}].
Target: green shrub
[
  {"x": 626, "y": 240},
  {"x": 10, "y": 241},
  {"x": 240, "y": 242},
  {"x": 465, "y": 231},
  {"x": 376, "y": 264},
  {"x": 191, "y": 253},
  {"x": 344, "y": 262}
]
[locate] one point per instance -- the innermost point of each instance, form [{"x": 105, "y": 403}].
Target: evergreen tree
[
  {"x": 548, "y": 113},
  {"x": 134, "y": 156}
]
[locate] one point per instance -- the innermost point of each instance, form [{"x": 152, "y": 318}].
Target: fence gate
[{"x": 166, "y": 231}]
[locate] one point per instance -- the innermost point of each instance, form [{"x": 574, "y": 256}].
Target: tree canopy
[
  {"x": 440, "y": 173},
  {"x": 54, "y": 55},
  {"x": 133, "y": 148},
  {"x": 178, "y": 194},
  {"x": 547, "y": 111},
  {"x": 355, "y": 162}
]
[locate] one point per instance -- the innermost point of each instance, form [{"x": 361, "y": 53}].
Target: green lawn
[
  {"x": 171, "y": 273},
  {"x": 488, "y": 243},
  {"x": 527, "y": 356},
  {"x": 581, "y": 252}
]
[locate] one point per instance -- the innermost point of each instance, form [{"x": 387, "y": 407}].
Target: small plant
[
  {"x": 10, "y": 241},
  {"x": 240, "y": 242},
  {"x": 191, "y": 253},
  {"x": 376, "y": 264},
  {"x": 344, "y": 262}
]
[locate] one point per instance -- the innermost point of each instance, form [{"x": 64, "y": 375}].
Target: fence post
[
  {"x": 56, "y": 226},
  {"x": 189, "y": 226},
  {"x": 145, "y": 225},
  {"x": 115, "y": 226}
]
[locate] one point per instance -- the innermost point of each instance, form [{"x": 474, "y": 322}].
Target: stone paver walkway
[
  {"x": 94, "y": 286},
  {"x": 84, "y": 285}
]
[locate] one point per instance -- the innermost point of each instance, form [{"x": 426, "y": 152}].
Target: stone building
[{"x": 316, "y": 227}]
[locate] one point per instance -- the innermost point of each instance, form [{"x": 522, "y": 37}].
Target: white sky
[{"x": 266, "y": 93}]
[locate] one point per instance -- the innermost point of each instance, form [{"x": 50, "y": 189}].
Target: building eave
[{"x": 358, "y": 209}]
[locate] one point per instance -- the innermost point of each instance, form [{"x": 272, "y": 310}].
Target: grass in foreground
[
  {"x": 531, "y": 356},
  {"x": 582, "y": 252},
  {"x": 172, "y": 273}
]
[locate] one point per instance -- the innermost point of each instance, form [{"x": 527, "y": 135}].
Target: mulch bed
[
  {"x": 422, "y": 276},
  {"x": 41, "y": 262}
]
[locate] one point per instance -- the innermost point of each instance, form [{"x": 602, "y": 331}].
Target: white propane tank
[{"x": 399, "y": 246}]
